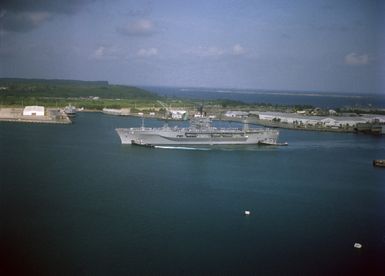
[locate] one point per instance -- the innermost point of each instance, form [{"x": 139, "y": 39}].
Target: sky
[{"x": 319, "y": 45}]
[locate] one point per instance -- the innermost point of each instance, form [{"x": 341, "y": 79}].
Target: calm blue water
[
  {"x": 74, "y": 201},
  {"x": 321, "y": 99}
]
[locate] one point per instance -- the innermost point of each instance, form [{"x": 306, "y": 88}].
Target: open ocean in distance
[
  {"x": 74, "y": 201},
  {"x": 316, "y": 99}
]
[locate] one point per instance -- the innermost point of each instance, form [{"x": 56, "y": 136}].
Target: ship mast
[{"x": 245, "y": 125}]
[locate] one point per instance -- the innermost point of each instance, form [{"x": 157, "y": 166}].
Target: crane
[
  {"x": 168, "y": 112},
  {"x": 174, "y": 114}
]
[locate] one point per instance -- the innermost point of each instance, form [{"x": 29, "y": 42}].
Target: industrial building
[
  {"x": 335, "y": 121},
  {"x": 236, "y": 114},
  {"x": 179, "y": 114},
  {"x": 33, "y": 110}
]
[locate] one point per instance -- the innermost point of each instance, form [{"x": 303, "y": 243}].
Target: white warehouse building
[
  {"x": 236, "y": 114},
  {"x": 178, "y": 114},
  {"x": 292, "y": 118},
  {"x": 33, "y": 111}
]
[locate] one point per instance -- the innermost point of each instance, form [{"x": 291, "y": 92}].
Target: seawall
[{"x": 16, "y": 115}]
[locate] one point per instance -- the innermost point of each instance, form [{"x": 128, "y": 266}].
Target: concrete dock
[{"x": 52, "y": 116}]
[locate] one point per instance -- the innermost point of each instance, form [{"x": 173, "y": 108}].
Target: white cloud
[
  {"x": 98, "y": 53},
  {"x": 105, "y": 53},
  {"x": 37, "y": 18},
  {"x": 27, "y": 15},
  {"x": 23, "y": 21},
  {"x": 238, "y": 50},
  {"x": 207, "y": 51},
  {"x": 147, "y": 52},
  {"x": 213, "y": 51},
  {"x": 140, "y": 27},
  {"x": 355, "y": 59}
]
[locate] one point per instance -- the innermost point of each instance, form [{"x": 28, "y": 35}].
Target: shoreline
[
  {"x": 265, "y": 123},
  {"x": 272, "y": 124},
  {"x": 16, "y": 115},
  {"x": 34, "y": 121}
]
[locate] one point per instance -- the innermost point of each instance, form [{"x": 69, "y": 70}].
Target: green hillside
[{"x": 89, "y": 94}]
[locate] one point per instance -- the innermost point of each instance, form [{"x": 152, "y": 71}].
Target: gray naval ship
[{"x": 200, "y": 132}]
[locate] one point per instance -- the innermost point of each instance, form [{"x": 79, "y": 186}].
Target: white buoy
[
  {"x": 247, "y": 213},
  {"x": 357, "y": 245}
]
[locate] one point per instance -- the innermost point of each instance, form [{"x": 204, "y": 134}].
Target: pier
[{"x": 51, "y": 116}]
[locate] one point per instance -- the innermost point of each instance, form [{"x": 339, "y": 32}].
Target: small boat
[
  {"x": 141, "y": 143},
  {"x": 379, "y": 163},
  {"x": 273, "y": 144},
  {"x": 357, "y": 245},
  {"x": 70, "y": 110}
]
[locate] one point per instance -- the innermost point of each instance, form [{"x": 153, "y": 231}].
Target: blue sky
[{"x": 332, "y": 46}]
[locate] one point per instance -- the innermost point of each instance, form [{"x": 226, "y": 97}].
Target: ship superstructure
[
  {"x": 200, "y": 132},
  {"x": 70, "y": 110}
]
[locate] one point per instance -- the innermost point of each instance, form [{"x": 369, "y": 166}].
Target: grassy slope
[
  {"x": 80, "y": 93},
  {"x": 59, "y": 93}
]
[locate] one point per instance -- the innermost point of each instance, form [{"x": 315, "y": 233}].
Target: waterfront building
[
  {"x": 236, "y": 114},
  {"x": 178, "y": 114},
  {"x": 33, "y": 111},
  {"x": 337, "y": 121},
  {"x": 118, "y": 112}
]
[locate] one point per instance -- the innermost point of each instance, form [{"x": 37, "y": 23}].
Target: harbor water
[{"x": 74, "y": 201}]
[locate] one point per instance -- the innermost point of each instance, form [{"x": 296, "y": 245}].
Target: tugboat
[
  {"x": 70, "y": 110},
  {"x": 141, "y": 143}
]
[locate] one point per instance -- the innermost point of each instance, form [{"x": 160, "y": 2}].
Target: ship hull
[{"x": 172, "y": 137}]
